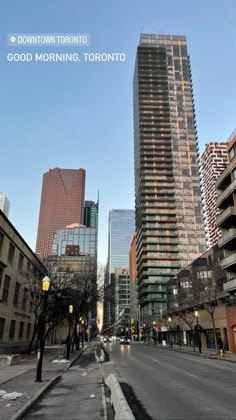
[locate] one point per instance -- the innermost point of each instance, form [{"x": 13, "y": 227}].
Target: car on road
[
  {"x": 124, "y": 340},
  {"x": 107, "y": 339}
]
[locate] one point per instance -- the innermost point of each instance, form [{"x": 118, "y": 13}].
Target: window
[
  {"x": 16, "y": 295},
  {"x": 231, "y": 153},
  {"x": 1, "y": 240},
  {"x": 2, "y": 324},
  {"x": 6, "y": 288},
  {"x": 12, "y": 328},
  {"x": 20, "y": 263},
  {"x": 176, "y": 51},
  {"x": 24, "y": 299},
  {"x": 1, "y": 274},
  {"x": 21, "y": 329},
  {"x": 11, "y": 253},
  {"x": 28, "y": 269},
  {"x": 28, "y": 330}
]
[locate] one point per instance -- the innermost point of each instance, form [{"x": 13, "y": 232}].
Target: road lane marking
[
  {"x": 151, "y": 358},
  {"x": 189, "y": 374},
  {"x": 158, "y": 361}
]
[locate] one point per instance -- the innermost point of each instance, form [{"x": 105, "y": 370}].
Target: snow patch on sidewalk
[{"x": 10, "y": 395}]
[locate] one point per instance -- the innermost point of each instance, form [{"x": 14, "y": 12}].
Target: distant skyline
[{"x": 80, "y": 115}]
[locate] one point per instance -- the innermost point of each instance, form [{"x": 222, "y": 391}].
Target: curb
[
  {"x": 118, "y": 400},
  {"x": 21, "y": 411},
  {"x": 193, "y": 353}
]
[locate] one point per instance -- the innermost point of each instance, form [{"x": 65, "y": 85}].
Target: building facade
[
  {"x": 121, "y": 227},
  {"x": 134, "y": 308},
  {"x": 19, "y": 267},
  {"x": 214, "y": 160},
  {"x": 91, "y": 211},
  {"x": 122, "y": 291},
  {"x": 75, "y": 239},
  {"x": 226, "y": 221},
  {"x": 169, "y": 220},
  {"x": 200, "y": 287},
  {"x": 62, "y": 203},
  {"x": 4, "y": 204}
]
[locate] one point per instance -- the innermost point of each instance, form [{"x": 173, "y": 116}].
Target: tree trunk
[{"x": 33, "y": 337}]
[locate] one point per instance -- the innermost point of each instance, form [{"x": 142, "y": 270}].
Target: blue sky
[{"x": 79, "y": 115}]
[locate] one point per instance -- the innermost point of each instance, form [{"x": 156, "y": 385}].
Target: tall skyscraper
[
  {"x": 91, "y": 214},
  {"x": 214, "y": 160},
  {"x": 91, "y": 210},
  {"x": 169, "y": 219},
  {"x": 4, "y": 204},
  {"x": 62, "y": 203},
  {"x": 121, "y": 228}
]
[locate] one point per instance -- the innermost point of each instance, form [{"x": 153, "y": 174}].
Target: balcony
[
  {"x": 146, "y": 290},
  {"x": 227, "y": 218},
  {"x": 224, "y": 179},
  {"x": 147, "y": 299},
  {"x": 230, "y": 286},
  {"x": 222, "y": 200},
  {"x": 228, "y": 240},
  {"x": 229, "y": 263}
]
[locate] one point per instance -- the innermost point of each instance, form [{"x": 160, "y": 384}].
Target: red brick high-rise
[
  {"x": 62, "y": 203},
  {"x": 214, "y": 160}
]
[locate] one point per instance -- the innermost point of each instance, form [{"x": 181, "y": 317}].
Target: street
[{"x": 176, "y": 386}]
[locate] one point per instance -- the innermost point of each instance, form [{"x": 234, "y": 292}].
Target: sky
[{"x": 80, "y": 114}]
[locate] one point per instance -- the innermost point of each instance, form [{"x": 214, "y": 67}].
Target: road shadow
[{"x": 135, "y": 404}]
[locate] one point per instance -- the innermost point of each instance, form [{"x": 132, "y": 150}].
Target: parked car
[{"x": 124, "y": 340}]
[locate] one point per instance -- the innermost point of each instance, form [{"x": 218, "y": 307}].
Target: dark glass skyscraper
[{"x": 169, "y": 220}]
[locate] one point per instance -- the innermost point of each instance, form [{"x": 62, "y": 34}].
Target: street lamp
[
  {"x": 45, "y": 286},
  {"x": 71, "y": 308},
  {"x": 198, "y": 330},
  {"x": 170, "y": 338}
]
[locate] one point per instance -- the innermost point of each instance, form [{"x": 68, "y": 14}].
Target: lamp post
[
  {"x": 170, "y": 338},
  {"x": 45, "y": 285},
  {"x": 139, "y": 326},
  {"x": 71, "y": 308},
  {"x": 198, "y": 330}
]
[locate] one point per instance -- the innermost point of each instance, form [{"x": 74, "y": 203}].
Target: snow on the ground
[
  {"x": 60, "y": 361},
  {"x": 10, "y": 395}
]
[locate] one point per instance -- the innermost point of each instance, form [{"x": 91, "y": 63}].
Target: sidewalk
[
  {"x": 210, "y": 353},
  {"x": 20, "y": 378}
]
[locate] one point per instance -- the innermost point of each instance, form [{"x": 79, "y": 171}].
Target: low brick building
[{"x": 19, "y": 266}]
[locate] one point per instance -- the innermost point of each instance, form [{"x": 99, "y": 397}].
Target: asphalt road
[{"x": 177, "y": 386}]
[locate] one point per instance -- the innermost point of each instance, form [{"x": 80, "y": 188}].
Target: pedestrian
[{"x": 220, "y": 345}]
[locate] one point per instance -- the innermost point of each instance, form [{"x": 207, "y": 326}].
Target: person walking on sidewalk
[{"x": 220, "y": 345}]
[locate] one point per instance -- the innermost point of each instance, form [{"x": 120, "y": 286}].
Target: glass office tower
[
  {"x": 121, "y": 230},
  {"x": 168, "y": 206}
]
